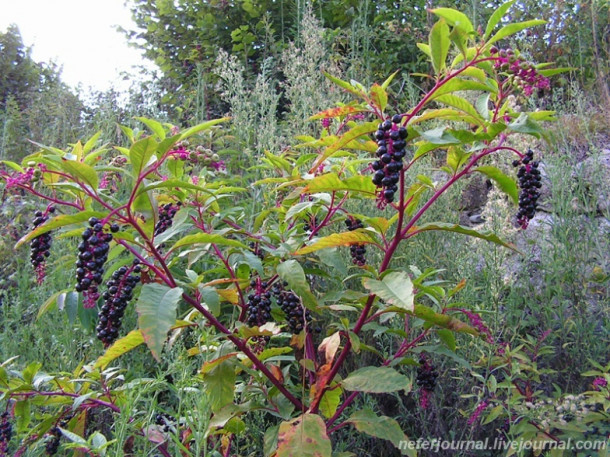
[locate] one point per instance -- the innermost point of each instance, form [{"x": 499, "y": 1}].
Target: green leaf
[
  {"x": 443, "y": 320},
  {"x": 485, "y": 235},
  {"x": 121, "y": 346},
  {"x": 525, "y": 124},
  {"x": 220, "y": 385},
  {"x": 205, "y": 238},
  {"x": 504, "y": 182},
  {"x": 447, "y": 337},
  {"x": 496, "y": 17},
  {"x": 49, "y": 304},
  {"x": 375, "y": 380},
  {"x": 386, "y": 428},
  {"x": 304, "y": 436},
  {"x": 210, "y": 297},
  {"x": 58, "y": 221},
  {"x": 201, "y": 127},
  {"x": 330, "y": 401},
  {"x": 439, "y": 45},
  {"x": 292, "y": 272},
  {"x": 388, "y": 81},
  {"x": 81, "y": 172},
  {"x": 345, "y": 85},
  {"x": 461, "y": 104},
  {"x": 395, "y": 289},
  {"x": 511, "y": 29},
  {"x": 379, "y": 96},
  {"x": 493, "y": 415},
  {"x": 455, "y": 19},
  {"x": 359, "y": 236},
  {"x": 154, "y": 125},
  {"x": 330, "y": 182},
  {"x": 350, "y": 135},
  {"x": 140, "y": 154},
  {"x": 457, "y": 84},
  {"x": 556, "y": 71},
  {"x": 156, "y": 308}
]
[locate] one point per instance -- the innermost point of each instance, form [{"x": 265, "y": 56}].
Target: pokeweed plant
[{"x": 174, "y": 241}]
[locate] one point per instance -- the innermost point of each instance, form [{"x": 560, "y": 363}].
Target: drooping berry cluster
[
  {"x": 166, "y": 217},
  {"x": 6, "y": 432},
  {"x": 116, "y": 298},
  {"x": 390, "y": 152},
  {"x": 426, "y": 375},
  {"x": 200, "y": 155},
  {"x": 259, "y": 304},
  {"x": 298, "y": 317},
  {"x": 356, "y": 250},
  {"x": 90, "y": 264},
  {"x": 522, "y": 74},
  {"x": 52, "y": 444},
  {"x": 167, "y": 422},
  {"x": 41, "y": 245},
  {"x": 530, "y": 181}
]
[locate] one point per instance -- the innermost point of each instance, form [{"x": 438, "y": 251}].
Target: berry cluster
[
  {"x": 426, "y": 375},
  {"x": 200, "y": 155},
  {"x": 390, "y": 152},
  {"x": 52, "y": 444},
  {"x": 297, "y": 316},
  {"x": 259, "y": 304},
  {"x": 116, "y": 298},
  {"x": 530, "y": 181},
  {"x": 356, "y": 250},
  {"x": 40, "y": 246},
  {"x": 167, "y": 422},
  {"x": 166, "y": 217},
  {"x": 90, "y": 264},
  {"x": 522, "y": 74},
  {"x": 6, "y": 432}
]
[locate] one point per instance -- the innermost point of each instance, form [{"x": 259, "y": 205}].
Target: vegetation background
[{"x": 261, "y": 62}]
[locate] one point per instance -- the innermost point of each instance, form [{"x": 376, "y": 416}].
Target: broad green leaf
[
  {"x": 331, "y": 182},
  {"x": 375, "y": 380},
  {"x": 201, "y": 127},
  {"x": 338, "y": 112},
  {"x": 455, "y": 19},
  {"x": 13, "y": 165},
  {"x": 395, "y": 289},
  {"x": 330, "y": 401},
  {"x": 493, "y": 414},
  {"x": 154, "y": 125},
  {"x": 425, "y": 48},
  {"x": 121, "y": 346},
  {"x": 386, "y": 428},
  {"x": 556, "y": 71},
  {"x": 439, "y": 45},
  {"x": 439, "y": 136},
  {"x": 91, "y": 142},
  {"x": 210, "y": 298},
  {"x": 461, "y": 104},
  {"x": 504, "y": 182},
  {"x": 304, "y": 436},
  {"x": 442, "y": 320},
  {"x": 496, "y": 17},
  {"x": 140, "y": 154},
  {"x": 156, "y": 308},
  {"x": 511, "y": 29},
  {"x": 457, "y": 84},
  {"x": 444, "y": 226},
  {"x": 81, "y": 172},
  {"x": 292, "y": 272},
  {"x": 278, "y": 162},
  {"x": 447, "y": 337},
  {"x": 73, "y": 437},
  {"x": 482, "y": 106},
  {"x": 205, "y": 238},
  {"x": 359, "y": 236},
  {"x": 388, "y": 81},
  {"x": 356, "y": 132},
  {"x": 525, "y": 124},
  {"x": 59, "y": 221}
]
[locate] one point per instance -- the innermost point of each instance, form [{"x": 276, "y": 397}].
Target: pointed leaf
[
  {"x": 484, "y": 235},
  {"x": 81, "y": 172},
  {"x": 455, "y": 19},
  {"x": 220, "y": 385},
  {"x": 121, "y": 346},
  {"x": 58, "y": 221},
  {"x": 292, "y": 272},
  {"x": 304, "y": 436},
  {"x": 344, "y": 84},
  {"x": 375, "y": 380},
  {"x": 359, "y": 236},
  {"x": 504, "y": 182},
  {"x": 154, "y": 125},
  {"x": 379, "y": 96},
  {"x": 156, "y": 308},
  {"x": 205, "y": 238},
  {"x": 330, "y": 401},
  {"x": 395, "y": 289},
  {"x": 330, "y": 182},
  {"x": 140, "y": 154},
  {"x": 439, "y": 45},
  {"x": 337, "y": 112},
  {"x": 460, "y": 103},
  {"x": 386, "y": 428},
  {"x": 511, "y": 29},
  {"x": 496, "y": 17},
  {"x": 201, "y": 127}
]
